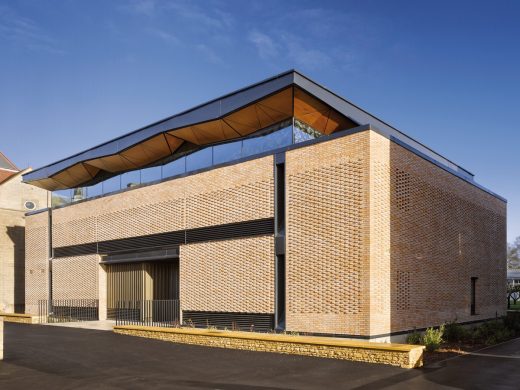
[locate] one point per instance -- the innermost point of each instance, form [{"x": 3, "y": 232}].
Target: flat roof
[{"x": 227, "y": 105}]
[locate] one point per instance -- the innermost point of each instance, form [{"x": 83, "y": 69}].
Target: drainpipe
[{"x": 49, "y": 265}]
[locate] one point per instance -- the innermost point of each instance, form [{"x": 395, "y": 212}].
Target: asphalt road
[{"x": 46, "y": 357}]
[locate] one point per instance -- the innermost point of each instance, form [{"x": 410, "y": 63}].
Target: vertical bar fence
[
  {"x": 159, "y": 313},
  {"x": 68, "y": 310}
]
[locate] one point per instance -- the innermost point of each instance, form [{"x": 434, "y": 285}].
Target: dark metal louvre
[
  {"x": 76, "y": 250},
  {"x": 232, "y": 230},
  {"x": 258, "y": 322},
  {"x": 257, "y": 227},
  {"x": 149, "y": 241}
]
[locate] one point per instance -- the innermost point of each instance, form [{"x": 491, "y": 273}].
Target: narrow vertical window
[
  {"x": 473, "y": 295},
  {"x": 279, "y": 198}
]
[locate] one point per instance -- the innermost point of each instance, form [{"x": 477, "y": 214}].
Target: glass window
[
  {"x": 79, "y": 193},
  {"x": 304, "y": 132},
  {"x": 174, "y": 168},
  {"x": 130, "y": 179},
  {"x": 61, "y": 197},
  {"x": 112, "y": 184},
  {"x": 95, "y": 190},
  {"x": 267, "y": 142},
  {"x": 227, "y": 152},
  {"x": 150, "y": 174},
  {"x": 199, "y": 160}
]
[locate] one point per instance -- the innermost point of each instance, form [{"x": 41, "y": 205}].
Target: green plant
[
  {"x": 432, "y": 338},
  {"x": 454, "y": 332},
  {"x": 492, "y": 332},
  {"x": 512, "y": 322},
  {"x": 414, "y": 338}
]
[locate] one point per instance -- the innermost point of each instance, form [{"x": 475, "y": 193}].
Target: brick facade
[
  {"x": 36, "y": 260},
  {"x": 327, "y": 236},
  {"x": 228, "y": 276},
  {"x": 378, "y": 239},
  {"x": 75, "y": 277}
]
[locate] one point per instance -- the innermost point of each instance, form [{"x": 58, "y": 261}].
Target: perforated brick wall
[
  {"x": 380, "y": 235},
  {"x": 36, "y": 260},
  {"x": 380, "y": 240},
  {"x": 443, "y": 232},
  {"x": 75, "y": 277},
  {"x": 228, "y": 276},
  {"x": 327, "y": 236},
  {"x": 234, "y": 193}
]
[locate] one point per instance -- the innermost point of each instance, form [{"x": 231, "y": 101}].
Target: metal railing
[
  {"x": 68, "y": 310},
  {"x": 161, "y": 313}
]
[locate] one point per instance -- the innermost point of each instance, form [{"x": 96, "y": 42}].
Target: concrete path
[{"x": 50, "y": 357}]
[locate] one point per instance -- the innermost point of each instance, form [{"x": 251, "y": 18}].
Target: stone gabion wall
[{"x": 402, "y": 358}]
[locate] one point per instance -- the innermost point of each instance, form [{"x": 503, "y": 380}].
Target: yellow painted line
[{"x": 314, "y": 340}]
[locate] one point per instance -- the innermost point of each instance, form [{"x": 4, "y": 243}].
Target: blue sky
[{"x": 76, "y": 73}]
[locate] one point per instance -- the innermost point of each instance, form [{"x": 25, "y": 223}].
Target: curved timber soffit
[
  {"x": 237, "y": 115},
  {"x": 169, "y": 144}
]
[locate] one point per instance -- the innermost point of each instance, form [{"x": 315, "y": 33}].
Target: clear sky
[{"x": 76, "y": 73}]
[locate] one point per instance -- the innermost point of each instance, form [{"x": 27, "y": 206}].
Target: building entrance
[{"x": 140, "y": 284}]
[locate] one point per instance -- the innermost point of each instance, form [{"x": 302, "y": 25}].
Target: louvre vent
[
  {"x": 258, "y": 227},
  {"x": 258, "y": 322}
]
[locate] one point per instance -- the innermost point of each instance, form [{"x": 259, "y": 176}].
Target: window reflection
[
  {"x": 200, "y": 159},
  {"x": 227, "y": 152},
  {"x": 150, "y": 174},
  {"x": 61, "y": 197},
  {"x": 290, "y": 131},
  {"x": 95, "y": 190},
  {"x": 112, "y": 184},
  {"x": 175, "y": 167},
  {"x": 130, "y": 179},
  {"x": 79, "y": 193},
  {"x": 256, "y": 145},
  {"x": 304, "y": 132}
]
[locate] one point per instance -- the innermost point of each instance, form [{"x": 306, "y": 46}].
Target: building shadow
[{"x": 17, "y": 236}]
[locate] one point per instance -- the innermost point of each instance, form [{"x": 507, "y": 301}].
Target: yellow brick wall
[
  {"x": 443, "y": 232},
  {"x": 380, "y": 235},
  {"x": 327, "y": 266},
  {"x": 75, "y": 277},
  {"x": 234, "y": 193},
  {"x": 229, "y": 276},
  {"x": 380, "y": 240},
  {"x": 36, "y": 260}
]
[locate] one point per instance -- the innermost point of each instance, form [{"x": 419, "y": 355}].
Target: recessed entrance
[{"x": 141, "y": 282}]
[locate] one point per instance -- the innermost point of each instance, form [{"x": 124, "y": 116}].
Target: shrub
[
  {"x": 492, "y": 332},
  {"x": 512, "y": 322},
  {"x": 432, "y": 338},
  {"x": 454, "y": 332},
  {"x": 413, "y": 338}
]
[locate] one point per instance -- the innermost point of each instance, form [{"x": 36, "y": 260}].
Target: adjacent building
[
  {"x": 281, "y": 205},
  {"x": 16, "y": 198}
]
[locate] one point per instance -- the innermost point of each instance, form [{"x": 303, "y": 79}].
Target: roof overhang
[{"x": 236, "y": 115}]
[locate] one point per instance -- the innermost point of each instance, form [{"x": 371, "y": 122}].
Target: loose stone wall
[{"x": 401, "y": 355}]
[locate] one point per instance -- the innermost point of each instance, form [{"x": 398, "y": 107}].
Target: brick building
[
  {"x": 16, "y": 198},
  {"x": 281, "y": 204}
]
